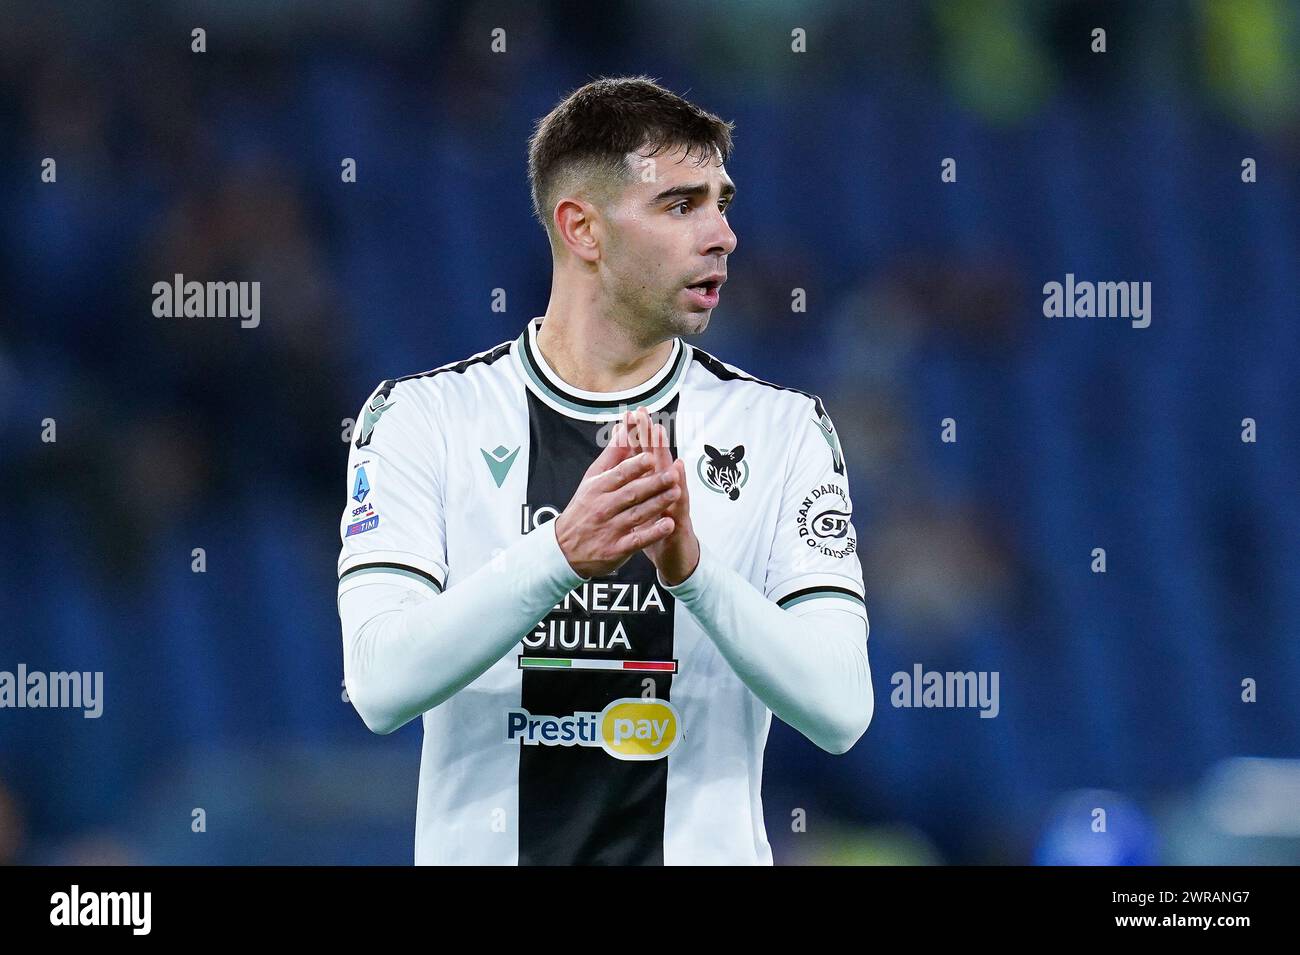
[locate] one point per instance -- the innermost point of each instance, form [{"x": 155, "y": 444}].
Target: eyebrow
[{"x": 692, "y": 191}]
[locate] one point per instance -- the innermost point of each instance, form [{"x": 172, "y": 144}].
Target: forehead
[{"x": 672, "y": 167}]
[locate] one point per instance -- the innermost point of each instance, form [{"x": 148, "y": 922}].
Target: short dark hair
[{"x": 589, "y": 134}]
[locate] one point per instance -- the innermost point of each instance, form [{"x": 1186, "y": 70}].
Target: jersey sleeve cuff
[
  {"x": 550, "y": 555},
  {"x": 414, "y": 570},
  {"x": 694, "y": 585},
  {"x": 811, "y": 592}
]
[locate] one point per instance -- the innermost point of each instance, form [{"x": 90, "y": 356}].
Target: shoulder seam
[
  {"x": 716, "y": 367},
  {"x": 485, "y": 357},
  {"x": 385, "y": 387}
]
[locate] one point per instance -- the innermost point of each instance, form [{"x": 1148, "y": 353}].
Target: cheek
[
  {"x": 646, "y": 254},
  {"x": 662, "y": 256}
]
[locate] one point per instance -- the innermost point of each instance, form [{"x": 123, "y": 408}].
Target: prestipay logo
[{"x": 628, "y": 728}]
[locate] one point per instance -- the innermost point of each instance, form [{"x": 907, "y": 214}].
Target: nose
[{"x": 722, "y": 240}]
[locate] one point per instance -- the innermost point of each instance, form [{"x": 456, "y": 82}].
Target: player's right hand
[{"x": 617, "y": 509}]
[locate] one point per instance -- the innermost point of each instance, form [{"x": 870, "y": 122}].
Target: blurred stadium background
[{"x": 223, "y": 690}]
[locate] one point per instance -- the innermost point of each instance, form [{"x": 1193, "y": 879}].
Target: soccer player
[{"x": 596, "y": 559}]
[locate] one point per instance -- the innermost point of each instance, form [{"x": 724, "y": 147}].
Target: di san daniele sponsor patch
[
  {"x": 629, "y": 728},
  {"x": 364, "y": 517},
  {"x": 825, "y": 521}
]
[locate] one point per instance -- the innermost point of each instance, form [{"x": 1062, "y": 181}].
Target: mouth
[{"x": 705, "y": 292}]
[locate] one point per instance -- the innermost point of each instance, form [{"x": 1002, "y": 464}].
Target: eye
[{"x": 685, "y": 204}]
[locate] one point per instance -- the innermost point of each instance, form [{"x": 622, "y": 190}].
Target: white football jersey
[{"x": 615, "y": 732}]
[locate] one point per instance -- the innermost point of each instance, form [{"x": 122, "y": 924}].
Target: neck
[{"x": 592, "y": 351}]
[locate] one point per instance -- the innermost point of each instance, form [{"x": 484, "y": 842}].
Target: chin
[{"x": 691, "y": 323}]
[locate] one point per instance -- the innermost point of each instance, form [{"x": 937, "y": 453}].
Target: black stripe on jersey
[
  {"x": 384, "y": 565},
  {"x": 562, "y": 390},
  {"x": 808, "y": 591},
  {"x": 724, "y": 373},
  {"x": 482, "y": 358},
  {"x": 578, "y": 805},
  {"x": 386, "y": 386}
]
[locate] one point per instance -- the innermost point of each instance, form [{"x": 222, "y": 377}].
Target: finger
[
  {"x": 683, "y": 505},
  {"x": 641, "y": 488},
  {"x": 617, "y": 443},
  {"x": 680, "y": 507},
  {"x": 644, "y": 428},
  {"x": 620, "y": 438},
  {"x": 635, "y": 424},
  {"x": 638, "y": 500},
  {"x": 624, "y": 471},
  {"x": 652, "y": 507},
  {"x": 644, "y": 535},
  {"x": 614, "y": 452},
  {"x": 663, "y": 453},
  {"x": 633, "y": 430}
]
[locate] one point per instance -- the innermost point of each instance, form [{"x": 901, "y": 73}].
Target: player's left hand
[{"x": 677, "y": 555}]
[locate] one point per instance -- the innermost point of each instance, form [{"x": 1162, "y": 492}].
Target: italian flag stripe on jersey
[{"x": 580, "y": 663}]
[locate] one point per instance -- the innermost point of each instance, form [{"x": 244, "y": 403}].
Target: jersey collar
[{"x": 543, "y": 381}]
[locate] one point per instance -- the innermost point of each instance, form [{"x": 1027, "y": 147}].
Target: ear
[
  {"x": 712, "y": 452},
  {"x": 737, "y": 453},
  {"x": 574, "y": 220}
]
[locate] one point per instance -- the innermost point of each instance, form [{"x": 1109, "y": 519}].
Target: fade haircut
[{"x": 581, "y": 146}]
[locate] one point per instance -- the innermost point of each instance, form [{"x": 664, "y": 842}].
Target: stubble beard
[
  {"x": 659, "y": 319},
  {"x": 690, "y": 323}
]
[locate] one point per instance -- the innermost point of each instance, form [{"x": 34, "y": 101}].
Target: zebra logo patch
[{"x": 724, "y": 471}]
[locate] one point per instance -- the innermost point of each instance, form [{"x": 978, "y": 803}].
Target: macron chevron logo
[{"x": 499, "y": 462}]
